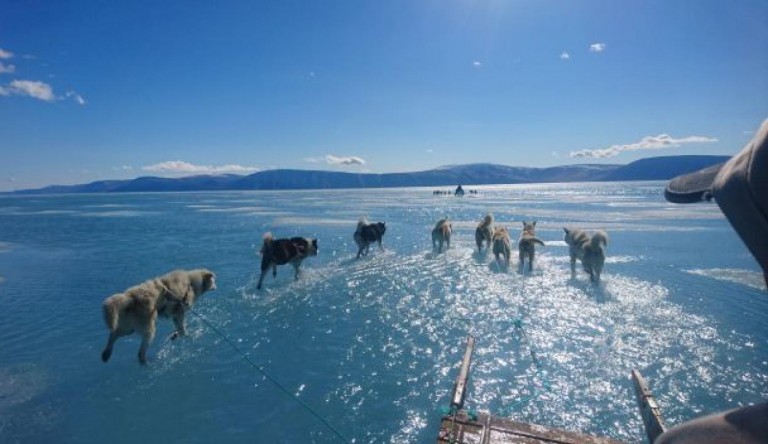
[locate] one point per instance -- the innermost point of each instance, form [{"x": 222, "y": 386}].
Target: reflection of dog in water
[
  {"x": 366, "y": 234},
  {"x": 502, "y": 246},
  {"x": 137, "y": 308},
  {"x": 276, "y": 252},
  {"x": 441, "y": 234},
  {"x": 484, "y": 232},
  {"x": 590, "y": 249},
  {"x": 527, "y": 244}
]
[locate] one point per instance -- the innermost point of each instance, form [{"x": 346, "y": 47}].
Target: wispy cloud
[
  {"x": 4, "y": 91},
  {"x": 337, "y": 160},
  {"x": 477, "y": 63},
  {"x": 37, "y": 90},
  {"x": 647, "y": 143},
  {"x": 7, "y": 69},
  {"x": 565, "y": 56},
  {"x": 181, "y": 167},
  {"x": 5, "y": 54},
  {"x": 123, "y": 168},
  {"x": 76, "y": 97},
  {"x": 597, "y": 47}
]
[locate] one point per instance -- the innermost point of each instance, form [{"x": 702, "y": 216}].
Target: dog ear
[
  {"x": 207, "y": 275},
  {"x": 534, "y": 223},
  {"x": 567, "y": 231}
]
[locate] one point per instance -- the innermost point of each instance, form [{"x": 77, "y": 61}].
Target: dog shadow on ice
[{"x": 596, "y": 290}]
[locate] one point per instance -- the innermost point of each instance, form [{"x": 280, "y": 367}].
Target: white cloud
[
  {"x": 38, "y": 90},
  {"x": 336, "y": 160},
  {"x": 430, "y": 150},
  {"x": 4, "y": 92},
  {"x": 597, "y": 47},
  {"x": 123, "y": 168},
  {"x": 313, "y": 159},
  {"x": 477, "y": 63},
  {"x": 7, "y": 68},
  {"x": 5, "y": 54},
  {"x": 565, "y": 56},
  {"x": 76, "y": 97},
  {"x": 647, "y": 143},
  {"x": 181, "y": 167}
]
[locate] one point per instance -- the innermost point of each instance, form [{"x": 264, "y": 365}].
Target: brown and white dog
[
  {"x": 441, "y": 234},
  {"x": 137, "y": 308},
  {"x": 276, "y": 252},
  {"x": 527, "y": 245},
  {"x": 590, "y": 249},
  {"x": 366, "y": 234},
  {"x": 502, "y": 246},
  {"x": 484, "y": 232}
]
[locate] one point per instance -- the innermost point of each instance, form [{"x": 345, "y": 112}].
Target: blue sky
[{"x": 95, "y": 90}]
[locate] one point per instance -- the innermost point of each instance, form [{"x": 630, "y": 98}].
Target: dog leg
[
  {"x": 530, "y": 259},
  {"x": 181, "y": 329},
  {"x": 573, "y": 265},
  {"x": 274, "y": 270},
  {"x": 146, "y": 338},
  {"x": 296, "y": 275},
  {"x": 110, "y": 343},
  {"x": 261, "y": 279},
  {"x": 521, "y": 257},
  {"x": 359, "y": 252}
]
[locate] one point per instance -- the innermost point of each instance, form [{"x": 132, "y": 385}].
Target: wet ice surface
[{"x": 372, "y": 344}]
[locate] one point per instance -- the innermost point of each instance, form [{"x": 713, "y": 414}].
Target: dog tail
[
  {"x": 361, "y": 224},
  {"x": 599, "y": 240},
  {"x": 267, "y": 238},
  {"x": 113, "y": 306}
]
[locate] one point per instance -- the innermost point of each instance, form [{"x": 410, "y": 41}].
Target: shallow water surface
[{"x": 373, "y": 345}]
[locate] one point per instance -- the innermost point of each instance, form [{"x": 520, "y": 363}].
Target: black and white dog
[
  {"x": 366, "y": 234},
  {"x": 276, "y": 252}
]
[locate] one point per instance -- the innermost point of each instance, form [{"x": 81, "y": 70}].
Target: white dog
[{"x": 137, "y": 308}]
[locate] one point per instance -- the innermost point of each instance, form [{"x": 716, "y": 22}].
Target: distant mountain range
[{"x": 654, "y": 168}]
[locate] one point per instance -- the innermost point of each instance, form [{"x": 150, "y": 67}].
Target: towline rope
[{"x": 341, "y": 437}]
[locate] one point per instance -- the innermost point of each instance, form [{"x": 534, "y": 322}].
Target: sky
[{"x": 113, "y": 90}]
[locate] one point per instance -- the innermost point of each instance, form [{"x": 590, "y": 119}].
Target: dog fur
[
  {"x": 484, "y": 232},
  {"x": 276, "y": 252},
  {"x": 366, "y": 234},
  {"x": 502, "y": 246},
  {"x": 442, "y": 234},
  {"x": 590, "y": 249},
  {"x": 137, "y": 308},
  {"x": 527, "y": 244}
]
